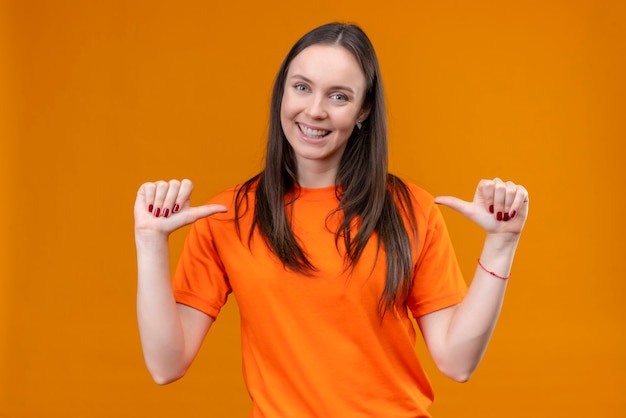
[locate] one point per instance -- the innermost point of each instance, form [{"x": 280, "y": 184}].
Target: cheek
[
  {"x": 285, "y": 120},
  {"x": 286, "y": 108},
  {"x": 286, "y": 116},
  {"x": 348, "y": 121}
]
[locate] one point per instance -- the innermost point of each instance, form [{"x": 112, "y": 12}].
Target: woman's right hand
[{"x": 162, "y": 207}]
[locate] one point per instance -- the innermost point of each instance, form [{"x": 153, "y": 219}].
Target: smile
[{"x": 312, "y": 133}]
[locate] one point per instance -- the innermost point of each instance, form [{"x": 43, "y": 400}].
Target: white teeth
[{"x": 312, "y": 132}]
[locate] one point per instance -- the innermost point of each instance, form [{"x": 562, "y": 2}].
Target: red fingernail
[
  {"x": 512, "y": 214},
  {"x": 166, "y": 213},
  {"x": 158, "y": 211},
  {"x": 150, "y": 207},
  {"x": 491, "y": 209},
  {"x": 506, "y": 217},
  {"x": 176, "y": 208},
  {"x": 498, "y": 216}
]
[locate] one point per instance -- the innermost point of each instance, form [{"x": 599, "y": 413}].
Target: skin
[
  {"x": 324, "y": 92},
  {"x": 457, "y": 336},
  {"x": 170, "y": 333}
]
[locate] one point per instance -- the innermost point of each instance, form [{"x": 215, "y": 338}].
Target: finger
[
  {"x": 199, "y": 212},
  {"x": 509, "y": 197},
  {"x": 499, "y": 195},
  {"x": 520, "y": 202},
  {"x": 170, "y": 197},
  {"x": 484, "y": 192},
  {"x": 453, "y": 203},
  {"x": 184, "y": 194},
  {"x": 148, "y": 190},
  {"x": 159, "y": 197}
]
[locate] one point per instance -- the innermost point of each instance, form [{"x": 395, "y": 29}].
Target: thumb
[
  {"x": 203, "y": 211},
  {"x": 453, "y": 203}
]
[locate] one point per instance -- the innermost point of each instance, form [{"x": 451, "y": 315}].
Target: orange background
[{"x": 100, "y": 96}]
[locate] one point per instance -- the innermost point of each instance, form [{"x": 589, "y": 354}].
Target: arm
[
  {"x": 458, "y": 336},
  {"x": 171, "y": 333}
]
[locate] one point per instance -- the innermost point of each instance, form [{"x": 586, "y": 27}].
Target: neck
[{"x": 314, "y": 175}]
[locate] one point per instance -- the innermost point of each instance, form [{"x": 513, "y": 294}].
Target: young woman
[{"x": 327, "y": 253}]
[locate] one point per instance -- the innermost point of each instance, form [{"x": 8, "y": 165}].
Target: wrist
[
  {"x": 502, "y": 242},
  {"x": 493, "y": 273},
  {"x": 498, "y": 252},
  {"x": 149, "y": 238}
]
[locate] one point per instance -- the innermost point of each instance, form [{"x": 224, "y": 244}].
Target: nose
[{"x": 317, "y": 107}]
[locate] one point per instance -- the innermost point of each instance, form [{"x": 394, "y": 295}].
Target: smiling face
[{"x": 322, "y": 101}]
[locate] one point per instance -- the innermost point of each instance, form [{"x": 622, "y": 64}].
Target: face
[{"x": 322, "y": 101}]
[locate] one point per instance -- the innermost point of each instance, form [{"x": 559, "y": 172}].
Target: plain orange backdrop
[{"x": 99, "y": 96}]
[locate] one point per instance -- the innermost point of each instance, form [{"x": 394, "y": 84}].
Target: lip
[{"x": 309, "y": 139}]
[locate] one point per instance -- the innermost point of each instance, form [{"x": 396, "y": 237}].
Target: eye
[
  {"x": 339, "y": 97},
  {"x": 300, "y": 87}
]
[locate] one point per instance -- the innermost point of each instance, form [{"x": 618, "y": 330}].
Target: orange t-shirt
[{"x": 315, "y": 346}]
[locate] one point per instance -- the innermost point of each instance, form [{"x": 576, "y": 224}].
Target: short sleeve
[
  {"x": 437, "y": 279},
  {"x": 200, "y": 280}
]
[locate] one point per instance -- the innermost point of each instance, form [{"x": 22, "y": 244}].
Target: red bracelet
[{"x": 491, "y": 272}]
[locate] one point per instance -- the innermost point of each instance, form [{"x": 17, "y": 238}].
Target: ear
[{"x": 364, "y": 113}]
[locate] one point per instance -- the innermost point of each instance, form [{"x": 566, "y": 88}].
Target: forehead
[{"x": 328, "y": 64}]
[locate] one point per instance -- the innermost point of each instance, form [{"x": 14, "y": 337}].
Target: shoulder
[
  {"x": 237, "y": 198},
  {"x": 420, "y": 195},
  {"x": 226, "y": 197},
  {"x": 417, "y": 197}
]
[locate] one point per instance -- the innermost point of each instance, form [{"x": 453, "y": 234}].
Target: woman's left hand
[{"x": 498, "y": 206}]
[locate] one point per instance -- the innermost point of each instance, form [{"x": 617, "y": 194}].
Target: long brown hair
[{"x": 378, "y": 201}]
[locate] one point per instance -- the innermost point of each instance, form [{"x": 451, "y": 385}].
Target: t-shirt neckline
[{"x": 316, "y": 193}]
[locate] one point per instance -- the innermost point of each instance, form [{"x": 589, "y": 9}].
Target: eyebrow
[{"x": 308, "y": 80}]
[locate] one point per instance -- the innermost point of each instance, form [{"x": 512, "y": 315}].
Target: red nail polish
[
  {"x": 166, "y": 213},
  {"x": 512, "y": 214},
  {"x": 150, "y": 207},
  {"x": 176, "y": 208},
  {"x": 491, "y": 209},
  {"x": 505, "y": 217},
  {"x": 498, "y": 216},
  {"x": 158, "y": 212}
]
